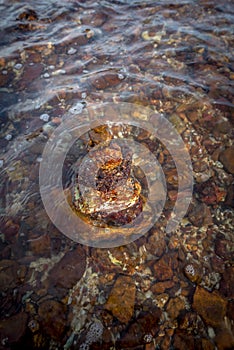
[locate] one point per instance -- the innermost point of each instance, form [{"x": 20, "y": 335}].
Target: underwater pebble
[
  {"x": 18, "y": 66},
  {"x": 83, "y": 95},
  {"x": 120, "y": 76},
  {"x": 8, "y": 137},
  {"x": 77, "y": 108},
  {"x": 1, "y": 163},
  {"x": 45, "y": 117},
  {"x": 71, "y": 51},
  {"x": 46, "y": 75}
]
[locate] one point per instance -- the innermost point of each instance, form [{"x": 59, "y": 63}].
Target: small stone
[
  {"x": 71, "y": 51},
  {"x": 227, "y": 159},
  {"x": 104, "y": 80},
  {"x": 120, "y": 76},
  {"x": 199, "y": 214},
  {"x": 45, "y": 117},
  {"x": 46, "y": 75},
  {"x": 8, "y": 137},
  {"x": 210, "y": 306},
  {"x": 1, "y": 163},
  {"x": 122, "y": 299},
  {"x": 77, "y": 108},
  {"x": 18, "y": 66},
  {"x": 160, "y": 287}
]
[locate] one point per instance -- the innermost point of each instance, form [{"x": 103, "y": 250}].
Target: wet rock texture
[{"x": 165, "y": 290}]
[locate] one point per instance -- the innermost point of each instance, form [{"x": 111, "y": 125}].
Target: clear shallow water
[{"x": 57, "y": 59}]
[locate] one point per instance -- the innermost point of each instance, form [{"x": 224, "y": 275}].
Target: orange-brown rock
[
  {"x": 174, "y": 307},
  {"x": 122, "y": 299},
  {"x": 160, "y": 287},
  {"x": 210, "y": 306},
  {"x": 163, "y": 268}
]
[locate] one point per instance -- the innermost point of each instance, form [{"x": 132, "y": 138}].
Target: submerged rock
[
  {"x": 13, "y": 328},
  {"x": 122, "y": 299},
  {"x": 227, "y": 159},
  {"x": 53, "y": 318},
  {"x": 210, "y": 306},
  {"x": 68, "y": 271}
]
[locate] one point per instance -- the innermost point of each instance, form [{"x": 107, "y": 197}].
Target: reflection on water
[{"x": 164, "y": 291}]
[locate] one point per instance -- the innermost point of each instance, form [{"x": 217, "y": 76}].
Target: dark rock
[
  {"x": 138, "y": 333},
  {"x": 53, "y": 318},
  {"x": 13, "y": 328},
  {"x": 227, "y": 282},
  {"x": 68, "y": 271},
  {"x": 223, "y": 247},
  {"x": 227, "y": 159},
  {"x": 183, "y": 341},
  {"x": 199, "y": 214}
]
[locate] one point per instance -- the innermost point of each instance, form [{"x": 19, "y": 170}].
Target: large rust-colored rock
[
  {"x": 53, "y": 318},
  {"x": 13, "y": 328},
  {"x": 122, "y": 299},
  {"x": 69, "y": 270},
  {"x": 210, "y": 306}
]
